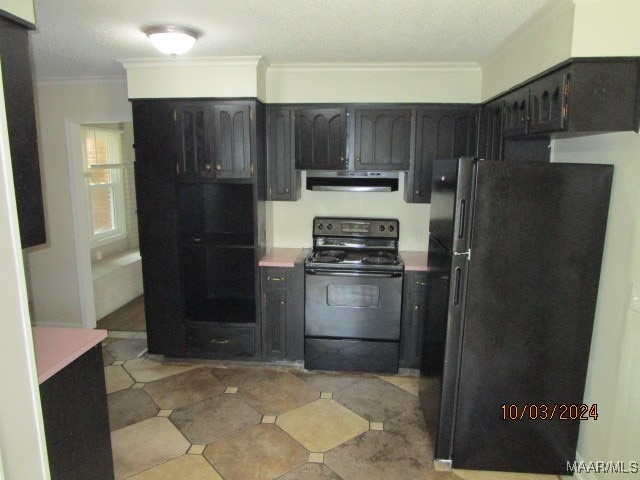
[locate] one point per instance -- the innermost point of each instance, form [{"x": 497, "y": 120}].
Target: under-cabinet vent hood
[{"x": 350, "y": 181}]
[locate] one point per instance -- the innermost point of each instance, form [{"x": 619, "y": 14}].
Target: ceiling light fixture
[{"x": 172, "y": 40}]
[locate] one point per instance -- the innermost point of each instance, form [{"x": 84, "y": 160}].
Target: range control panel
[{"x": 356, "y": 227}]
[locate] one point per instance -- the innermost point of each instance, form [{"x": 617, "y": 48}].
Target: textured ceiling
[{"x": 83, "y": 38}]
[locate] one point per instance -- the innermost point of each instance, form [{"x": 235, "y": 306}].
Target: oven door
[{"x": 353, "y": 304}]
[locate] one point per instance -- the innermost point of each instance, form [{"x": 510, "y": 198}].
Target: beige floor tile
[
  {"x": 186, "y": 467},
  {"x": 185, "y": 388},
  {"x": 144, "y": 445},
  {"x": 214, "y": 418},
  {"x": 117, "y": 378},
  {"x": 261, "y": 452},
  {"x": 269, "y": 419},
  {"x": 278, "y": 393},
  {"x": 408, "y": 384},
  {"x": 485, "y": 475},
  {"x": 316, "y": 457},
  {"x": 197, "y": 449},
  {"x": 379, "y": 456},
  {"x": 376, "y": 426},
  {"x": 312, "y": 471},
  {"x": 147, "y": 370},
  {"x": 322, "y": 425}
]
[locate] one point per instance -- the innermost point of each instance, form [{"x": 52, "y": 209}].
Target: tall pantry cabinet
[{"x": 201, "y": 214}]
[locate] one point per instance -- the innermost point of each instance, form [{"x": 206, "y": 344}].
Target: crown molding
[{"x": 169, "y": 62}]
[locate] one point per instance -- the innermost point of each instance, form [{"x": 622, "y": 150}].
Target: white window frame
[{"x": 115, "y": 165}]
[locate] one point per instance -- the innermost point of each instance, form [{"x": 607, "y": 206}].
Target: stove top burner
[
  {"x": 355, "y": 258},
  {"x": 380, "y": 258},
  {"x": 329, "y": 256}
]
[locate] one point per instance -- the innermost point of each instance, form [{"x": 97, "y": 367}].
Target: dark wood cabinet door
[
  {"x": 547, "y": 108},
  {"x": 321, "y": 138},
  {"x": 382, "y": 139},
  {"x": 490, "y": 141},
  {"x": 441, "y": 132},
  {"x": 283, "y": 181},
  {"x": 15, "y": 57},
  {"x": 157, "y": 203},
  {"x": 275, "y": 320},
  {"x": 413, "y": 319},
  {"x": 231, "y": 124},
  {"x": 192, "y": 130},
  {"x": 516, "y": 113}
]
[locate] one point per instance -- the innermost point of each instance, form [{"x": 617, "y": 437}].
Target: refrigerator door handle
[
  {"x": 461, "y": 218},
  {"x": 457, "y": 285}
]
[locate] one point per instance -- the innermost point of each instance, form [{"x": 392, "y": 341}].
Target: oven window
[{"x": 361, "y": 296}]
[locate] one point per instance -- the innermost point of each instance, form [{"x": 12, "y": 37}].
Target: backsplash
[{"x": 290, "y": 223}]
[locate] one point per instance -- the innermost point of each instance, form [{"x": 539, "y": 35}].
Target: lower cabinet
[
  {"x": 76, "y": 421},
  {"x": 283, "y": 313},
  {"x": 414, "y": 311}
]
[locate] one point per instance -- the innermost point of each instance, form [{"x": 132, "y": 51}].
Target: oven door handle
[{"x": 352, "y": 273}]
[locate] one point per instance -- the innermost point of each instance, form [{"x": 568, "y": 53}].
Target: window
[{"x": 105, "y": 184}]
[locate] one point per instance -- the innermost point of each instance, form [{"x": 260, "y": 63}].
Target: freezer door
[
  {"x": 537, "y": 240},
  {"x": 451, "y": 202}
]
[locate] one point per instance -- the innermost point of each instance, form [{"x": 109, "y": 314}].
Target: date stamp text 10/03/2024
[{"x": 543, "y": 411}]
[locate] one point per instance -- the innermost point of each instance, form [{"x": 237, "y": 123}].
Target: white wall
[
  {"x": 542, "y": 42},
  {"x": 20, "y": 8},
  {"x": 21, "y": 431},
  {"x": 53, "y": 268},
  {"x": 613, "y": 380},
  {"x": 292, "y": 220},
  {"x": 593, "y": 34},
  {"x": 195, "y": 77},
  {"x": 401, "y": 82}
]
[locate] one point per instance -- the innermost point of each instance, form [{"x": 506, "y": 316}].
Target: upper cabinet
[
  {"x": 320, "y": 135},
  {"x": 548, "y": 107},
  {"x": 515, "y": 113},
  {"x": 490, "y": 131},
  {"x": 283, "y": 180},
  {"x": 213, "y": 139},
  {"x": 15, "y": 57},
  {"x": 441, "y": 132},
  {"x": 382, "y": 138},
  {"x": 193, "y": 137},
  {"x": 232, "y": 140}
]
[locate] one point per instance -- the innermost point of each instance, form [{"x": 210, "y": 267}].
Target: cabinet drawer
[
  {"x": 275, "y": 277},
  {"x": 213, "y": 341},
  {"x": 419, "y": 283}
]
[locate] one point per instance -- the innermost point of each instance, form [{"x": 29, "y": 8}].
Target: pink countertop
[
  {"x": 416, "y": 261},
  {"x": 280, "y": 257},
  {"x": 56, "y": 348}
]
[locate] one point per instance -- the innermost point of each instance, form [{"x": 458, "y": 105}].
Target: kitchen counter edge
[
  {"x": 55, "y": 348},
  {"x": 414, "y": 260}
]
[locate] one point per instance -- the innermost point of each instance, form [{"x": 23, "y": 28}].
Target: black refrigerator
[{"x": 515, "y": 251}]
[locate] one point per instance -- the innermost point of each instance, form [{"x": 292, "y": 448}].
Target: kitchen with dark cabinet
[
  {"x": 238, "y": 165},
  {"x": 202, "y": 224}
]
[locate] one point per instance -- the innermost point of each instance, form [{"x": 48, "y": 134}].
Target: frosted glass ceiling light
[{"x": 172, "y": 40}]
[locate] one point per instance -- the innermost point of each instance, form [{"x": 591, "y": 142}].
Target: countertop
[
  {"x": 280, "y": 257},
  {"x": 55, "y": 348},
  {"x": 414, "y": 261}
]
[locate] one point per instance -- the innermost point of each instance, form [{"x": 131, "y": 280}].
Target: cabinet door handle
[
  {"x": 421, "y": 283},
  {"x": 207, "y": 167},
  {"x": 221, "y": 341},
  {"x": 275, "y": 279},
  {"x": 218, "y": 167}
]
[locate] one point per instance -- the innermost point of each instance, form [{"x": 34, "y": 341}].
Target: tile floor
[{"x": 219, "y": 420}]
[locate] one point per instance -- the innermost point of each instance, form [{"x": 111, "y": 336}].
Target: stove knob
[
  {"x": 391, "y": 228},
  {"x": 381, "y": 228},
  {"x": 330, "y": 226},
  {"x": 320, "y": 226}
]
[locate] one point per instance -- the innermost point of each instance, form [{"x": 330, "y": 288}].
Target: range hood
[{"x": 352, "y": 181}]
